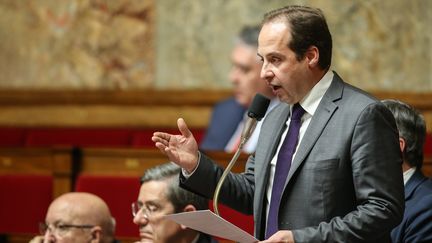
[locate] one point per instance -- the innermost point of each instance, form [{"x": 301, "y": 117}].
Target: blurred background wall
[{"x": 170, "y": 44}]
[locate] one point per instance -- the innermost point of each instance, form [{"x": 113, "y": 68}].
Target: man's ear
[
  {"x": 188, "y": 208},
  {"x": 402, "y": 144},
  {"x": 96, "y": 234},
  {"x": 312, "y": 56}
]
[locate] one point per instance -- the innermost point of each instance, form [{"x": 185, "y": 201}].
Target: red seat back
[
  {"x": 24, "y": 201},
  {"x": 83, "y": 137},
  {"x": 118, "y": 192},
  {"x": 143, "y": 138},
  {"x": 12, "y": 136},
  {"x": 428, "y": 145}
]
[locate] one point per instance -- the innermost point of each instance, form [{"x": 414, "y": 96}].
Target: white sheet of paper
[{"x": 208, "y": 222}]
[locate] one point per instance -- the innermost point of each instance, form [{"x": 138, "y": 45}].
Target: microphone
[{"x": 255, "y": 113}]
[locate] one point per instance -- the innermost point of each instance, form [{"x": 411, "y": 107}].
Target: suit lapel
[
  {"x": 319, "y": 120},
  {"x": 272, "y": 140}
]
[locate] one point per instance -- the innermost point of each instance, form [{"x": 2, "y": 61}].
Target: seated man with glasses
[
  {"x": 160, "y": 195},
  {"x": 77, "y": 217}
]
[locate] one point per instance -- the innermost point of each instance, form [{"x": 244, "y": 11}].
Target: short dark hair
[
  {"x": 412, "y": 128},
  {"x": 308, "y": 28},
  {"x": 249, "y": 35},
  {"x": 178, "y": 196}
]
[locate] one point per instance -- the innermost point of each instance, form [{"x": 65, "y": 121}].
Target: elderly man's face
[
  {"x": 152, "y": 226},
  {"x": 64, "y": 226}
]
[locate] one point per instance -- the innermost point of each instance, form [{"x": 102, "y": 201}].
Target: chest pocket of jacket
[
  {"x": 325, "y": 170},
  {"x": 328, "y": 164}
]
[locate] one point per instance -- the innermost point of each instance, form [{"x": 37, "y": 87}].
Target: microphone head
[{"x": 259, "y": 107}]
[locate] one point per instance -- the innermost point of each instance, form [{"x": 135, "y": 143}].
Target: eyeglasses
[
  {"x": 61, "y": 229},
  {"x": 146, "y": 210}
]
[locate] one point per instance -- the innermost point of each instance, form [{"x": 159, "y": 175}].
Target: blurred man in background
[{"x": 228, "y": 117}]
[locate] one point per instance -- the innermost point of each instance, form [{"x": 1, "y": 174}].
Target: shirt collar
[
  {"x": 408, "y": 173},
  {"x": 311, "y": 101}
]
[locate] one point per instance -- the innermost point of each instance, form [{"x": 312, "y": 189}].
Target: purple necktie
[{"x": 283, "y": 165}]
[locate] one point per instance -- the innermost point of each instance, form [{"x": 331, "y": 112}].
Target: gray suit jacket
[{"x": 345, "y": 182}]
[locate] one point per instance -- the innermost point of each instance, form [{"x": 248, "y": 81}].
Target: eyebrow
[
  {"x": 151, "y": 202},
  {"x": 275, "y": 54}
]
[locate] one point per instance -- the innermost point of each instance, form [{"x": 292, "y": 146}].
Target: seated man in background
[
  {"x": 161, "y": 195},
  {"x": 416, "y": 225},
  {"x": 226, "y": 124},
  {"x": 77, "y": 217}
]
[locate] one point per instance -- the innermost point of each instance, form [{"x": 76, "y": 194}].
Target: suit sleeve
[
  {"x": 237, "y": 190},
  {"x": 378, "y": 186}
]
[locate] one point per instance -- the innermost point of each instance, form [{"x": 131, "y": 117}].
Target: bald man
[{"x": 77, "y": 217}]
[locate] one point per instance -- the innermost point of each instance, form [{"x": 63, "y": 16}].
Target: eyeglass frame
[
  {"x": 44, "y": 227},
  {"x": 146, "y": 210}
]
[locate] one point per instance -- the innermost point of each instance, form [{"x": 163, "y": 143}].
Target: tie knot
[{"x": 297, "y": 112}]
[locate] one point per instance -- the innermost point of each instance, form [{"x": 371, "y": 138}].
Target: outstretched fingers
[
  {"x": 161, "y": 139},
  {"x": 183, "y": 128}
]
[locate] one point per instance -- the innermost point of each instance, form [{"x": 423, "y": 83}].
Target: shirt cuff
[{"x": 186, "y": 174}]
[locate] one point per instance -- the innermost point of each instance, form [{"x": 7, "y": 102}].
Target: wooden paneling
[
  {"x": 125, "y": 98},
  {"x": 146, "y": 108},
  {"x": 133, "y": 162},
  {"x": 43, "y": 161}
]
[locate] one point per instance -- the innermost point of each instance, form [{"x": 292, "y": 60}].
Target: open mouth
[{"x": 275, "y": 88}]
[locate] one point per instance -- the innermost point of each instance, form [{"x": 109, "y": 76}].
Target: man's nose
[
  {"x": 49, "y": 237},
  {"x": 265, "y": 73},
  {"x": 233, "y": 75},
  {"x": 140, "y": 219}
]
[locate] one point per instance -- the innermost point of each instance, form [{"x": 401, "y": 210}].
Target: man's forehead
[
  {"x": 273, "y": 37},
  {"x": 154, "y": 190}
]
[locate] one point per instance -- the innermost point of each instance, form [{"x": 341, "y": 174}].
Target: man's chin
[{"x": 146, "y": 240}]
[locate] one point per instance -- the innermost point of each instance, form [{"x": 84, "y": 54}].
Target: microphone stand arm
[{"x": 250, "y": 125}]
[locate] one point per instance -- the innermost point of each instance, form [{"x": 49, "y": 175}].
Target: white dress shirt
[{"x": 408, "y": 173}]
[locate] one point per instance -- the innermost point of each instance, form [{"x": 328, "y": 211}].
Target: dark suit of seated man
[{"x": 416, "y": 225}]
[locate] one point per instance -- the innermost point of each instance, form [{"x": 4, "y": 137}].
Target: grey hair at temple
[
  {"x": 412, "y": 128},
  {"x": 178, "y": 196}
]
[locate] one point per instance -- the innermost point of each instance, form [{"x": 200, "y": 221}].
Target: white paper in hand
[{"x": 208, "y": 222}]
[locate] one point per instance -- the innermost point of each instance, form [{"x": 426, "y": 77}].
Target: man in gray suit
[{"x": 344, "y": 183}]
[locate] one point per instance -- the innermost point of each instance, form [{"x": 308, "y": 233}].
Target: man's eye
[
  {"x": 61, "y": 227},
  {"x": 245, "y": 69},
  {"x": 152, "y": 208},
  {"x": 259, "y": 58},
  {"x": 274, "y": 60}
]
